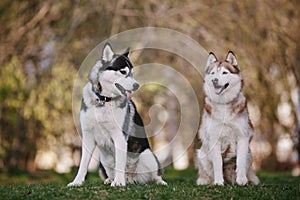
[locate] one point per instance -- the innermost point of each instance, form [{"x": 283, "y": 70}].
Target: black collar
[{"x": 101, "y": 98}]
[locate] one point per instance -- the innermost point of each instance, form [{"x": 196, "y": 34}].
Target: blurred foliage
[
  {"x": 42, "y": 43},
  {"x": 32, "y": 112}
]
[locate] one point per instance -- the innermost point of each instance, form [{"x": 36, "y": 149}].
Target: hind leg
[
  {"x": 202, "y": 179},
  {"x": 203, "y": 163},
  {"x": 148, "y": 169},
  {"x": 252, "y": 177},
  {"x": 103, "y": 175},
  {"x": 250, "y": 172},
  {"x": 107, "y": 165}
]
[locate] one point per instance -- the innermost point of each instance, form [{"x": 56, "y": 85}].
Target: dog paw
[
  {"x": 75, "y": 184},
  {"x": 241, "y": 180},
  {"x": 158, "y": 180},
  {"x": 118, "y": 182},
  {"x": 219, "y": 182},
  {"x": 255, "y": 180},
  {"x": 161, "y": 182},
  {"x": 108, "y": 181},
  {"x": 202, "y": 181}
]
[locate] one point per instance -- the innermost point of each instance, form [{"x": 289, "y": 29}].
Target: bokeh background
[{"x": 43, "y": 43}]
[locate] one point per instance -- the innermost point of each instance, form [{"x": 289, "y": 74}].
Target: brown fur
[
  {"x": 250, "y": 124},
  {"x": 229, "y": 169},
  {"x": 233, "y": 141},
  {"x": 224, "y": 63},
  {"x": 208, "y": 108},
  {"x": 239, "y": 108}
]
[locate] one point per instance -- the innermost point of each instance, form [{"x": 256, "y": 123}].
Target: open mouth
[
  {"x": 125, "y": 92},
  {"x": 219, "y": 88}
]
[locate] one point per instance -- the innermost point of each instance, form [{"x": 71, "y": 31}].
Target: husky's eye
[
  {"x": 212, "y": 73},
  {"x": 225, "y": 72},
  {"x": 123, "y": 72}
]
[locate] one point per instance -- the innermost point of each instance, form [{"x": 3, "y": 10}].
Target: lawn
[{"x": 181, "y": 185}]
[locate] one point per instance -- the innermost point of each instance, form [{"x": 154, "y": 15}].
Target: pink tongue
[
  {"x": 129, "y": 96},
  {"x": 218, "y": 90}
]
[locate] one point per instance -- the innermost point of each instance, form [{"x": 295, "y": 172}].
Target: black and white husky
[
  {"x": 226, "y": 129},
  {"x": 109, "y": 120}
]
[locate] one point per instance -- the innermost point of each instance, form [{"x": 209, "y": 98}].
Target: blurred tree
[
  {"x": 43, "y": 42},
  {"x": 35, "y": 92},
  {"x": 17, "y": 132}
]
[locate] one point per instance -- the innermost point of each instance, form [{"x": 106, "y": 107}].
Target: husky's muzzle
[
  {"x": 125, "y": 92},
  {"x": 219, "y": 88}
]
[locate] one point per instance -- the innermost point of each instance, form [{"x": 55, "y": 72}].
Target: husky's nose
[
  {"x": 136, "y": 86},
  {"x": 215, "y": 81}
]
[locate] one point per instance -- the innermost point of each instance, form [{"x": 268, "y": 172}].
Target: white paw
[
  {"x": 108, "y": 181},
  {"x": 255, "y": 180},
  {"x": 241, "y": 180},
  {"x": 161, "y": 182},
  {"x": 219, "y": 182},
  {"x": 118, "y": 182},
  {"x": 202, "y": 181},
  {"x": 75, "y": 183}
]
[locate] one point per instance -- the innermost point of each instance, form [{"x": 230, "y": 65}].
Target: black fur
[
  {"x": 102, "y": 171},
  {"x": 160, "y": 170},
  {"x": 120, "y": 62},
  {"x": 137, "y": 140},
  {"x": 83, "y": 105},
  {"x": 136, "y": 137}
]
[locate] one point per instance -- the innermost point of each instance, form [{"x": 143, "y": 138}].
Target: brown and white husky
[{"x": 226, "y": 130}]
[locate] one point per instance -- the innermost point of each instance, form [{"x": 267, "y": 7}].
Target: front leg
[
  {"x": 120, "y": 158},
  {"x": 88, "y": 146},
  {"x": 216, "y": 158},
  {"x": 241, "y": 162}
]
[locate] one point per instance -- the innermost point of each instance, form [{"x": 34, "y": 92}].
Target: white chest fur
[
  {"x": 225, "y": 123},
  {"x": 102, "y": 121},
  {"x": 110, "y": 119}
]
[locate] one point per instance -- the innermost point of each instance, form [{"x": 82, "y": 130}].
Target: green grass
[{"x": 181, "y": 185}]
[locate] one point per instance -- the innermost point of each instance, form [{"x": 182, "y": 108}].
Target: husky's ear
[
  {"x": 211, "y": 59},
  {"x": 126, "y": 52},
  {"x": 107, "y": 53},
  {"x": 231, "y": 58}
]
